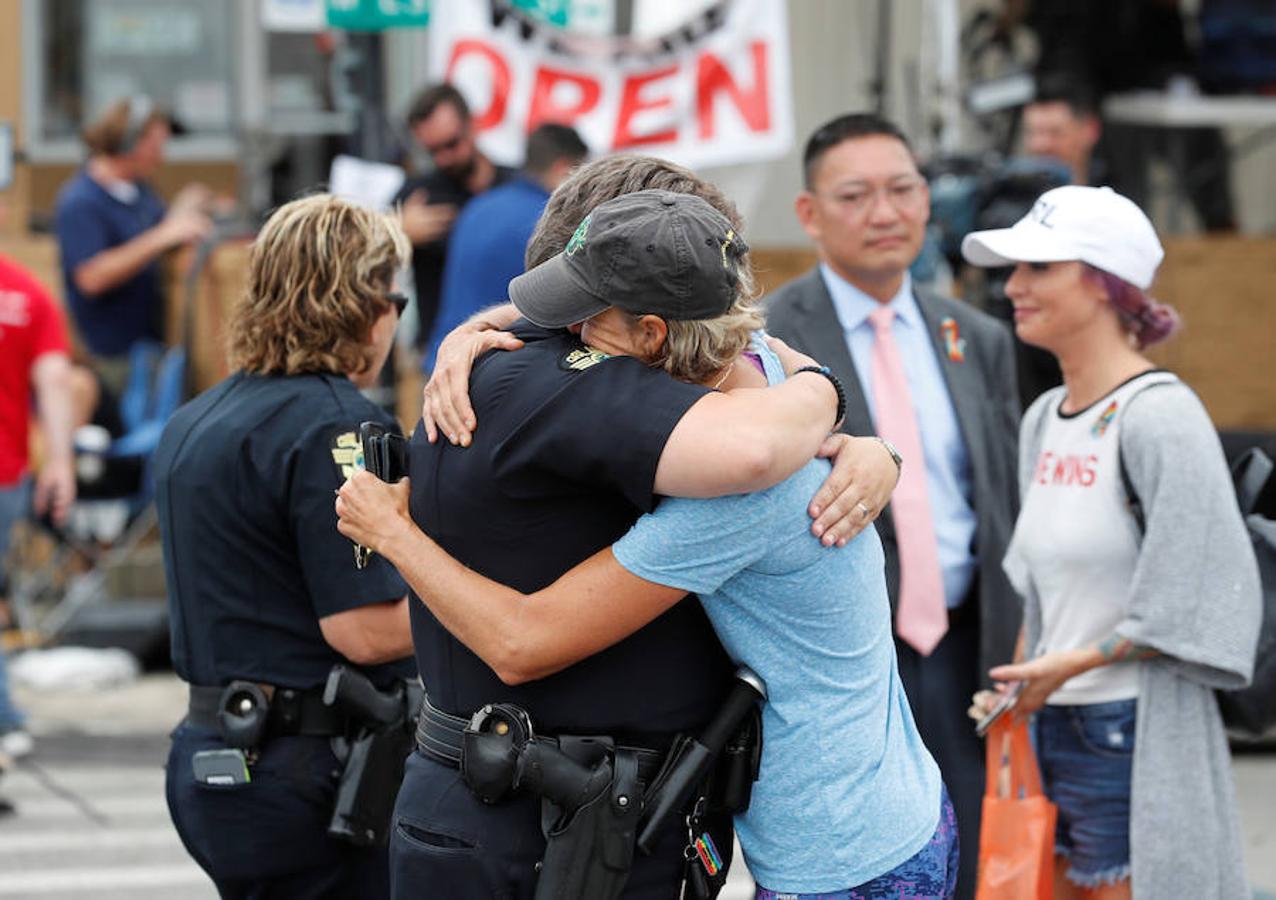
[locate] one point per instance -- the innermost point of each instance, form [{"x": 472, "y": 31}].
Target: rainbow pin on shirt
[
  {"x": 1105, "y": 419},
  {"x": 954, "y": 343},
  {"x": 708, "y": 854}
]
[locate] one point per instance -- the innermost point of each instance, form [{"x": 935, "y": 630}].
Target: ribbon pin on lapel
[{"x": 954, "y": 343}]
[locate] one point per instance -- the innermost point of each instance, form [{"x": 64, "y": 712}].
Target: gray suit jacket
[{"x": 986, "y": 400}]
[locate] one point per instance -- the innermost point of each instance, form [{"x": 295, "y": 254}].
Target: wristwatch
[{"x": 890, "y": 448}]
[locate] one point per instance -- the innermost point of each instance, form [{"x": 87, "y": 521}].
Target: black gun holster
[
  {"x": 369, "y": 785},
  {"x": 590, "y": 850},
  {"x": 591, "y": 798},
  {"x": 374, "y": 758}
]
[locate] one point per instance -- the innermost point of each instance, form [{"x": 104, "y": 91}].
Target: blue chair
[
  {"x": 153, "y": 393},
  {"x": 121, "y": 495}
]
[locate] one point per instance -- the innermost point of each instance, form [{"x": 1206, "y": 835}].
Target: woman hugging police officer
[{"x": 265, "y": 597}]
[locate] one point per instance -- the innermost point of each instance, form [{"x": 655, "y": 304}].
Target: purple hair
[{"x": 1149, "y": 320}]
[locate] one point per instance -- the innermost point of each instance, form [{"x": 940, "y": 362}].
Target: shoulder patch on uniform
[
  {"x": 347, "y": 453},
  {"x": 578, "y": 359}
]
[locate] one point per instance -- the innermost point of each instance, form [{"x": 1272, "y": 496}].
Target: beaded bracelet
[{"x": 837, "y": 386}]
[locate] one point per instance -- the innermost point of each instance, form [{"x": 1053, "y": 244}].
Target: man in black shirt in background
[{"x": 440, "y": 121}]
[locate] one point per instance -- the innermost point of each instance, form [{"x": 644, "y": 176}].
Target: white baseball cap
[{"x": 1094, "y": 225}]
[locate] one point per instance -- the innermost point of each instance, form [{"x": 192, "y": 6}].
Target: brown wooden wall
[
  {"x": 10, "y": 110},
  {"x": 1223, "y": 287}
]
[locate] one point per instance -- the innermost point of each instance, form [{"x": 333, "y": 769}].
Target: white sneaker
[{"x": 16, "y": 743}]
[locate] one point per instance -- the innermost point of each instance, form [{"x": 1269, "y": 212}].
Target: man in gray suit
[{"x": 936, "y": 378}]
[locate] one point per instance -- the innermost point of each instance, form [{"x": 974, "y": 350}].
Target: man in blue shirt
[
  {"x": 488, "y": 240},
  {"x": 112, "y": 229}
]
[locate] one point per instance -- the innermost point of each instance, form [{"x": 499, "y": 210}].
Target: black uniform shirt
[
  {"x": 428, "y": 259},
  {"x": 245, "y": 478},
  {"x": 563, "y": 462}
]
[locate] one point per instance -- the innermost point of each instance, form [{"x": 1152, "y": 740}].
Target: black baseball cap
[{"x": 650, "y": 252}]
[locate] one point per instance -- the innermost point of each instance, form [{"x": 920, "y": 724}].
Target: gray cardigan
[{"x": 1195, "y": 597}]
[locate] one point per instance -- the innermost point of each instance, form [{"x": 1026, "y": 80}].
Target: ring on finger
[{"x": 868, "y": 513}]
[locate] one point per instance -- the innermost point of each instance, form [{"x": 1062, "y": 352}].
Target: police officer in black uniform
[
  {"x": 563, "y": 463},
  {"x": 264, "y": 594}
]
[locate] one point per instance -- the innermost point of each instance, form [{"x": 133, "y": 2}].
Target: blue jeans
[
  {"x": 1086, "y": 755},
  {"x": 15, "y": 502}
]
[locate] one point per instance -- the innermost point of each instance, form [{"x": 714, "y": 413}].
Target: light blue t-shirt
[{"x": 847, "y": 789}]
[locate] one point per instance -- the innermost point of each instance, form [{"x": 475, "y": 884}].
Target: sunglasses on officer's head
[{"x": 398, "y": 301}]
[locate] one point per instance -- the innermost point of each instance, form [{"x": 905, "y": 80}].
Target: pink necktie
[{"x": 921, "y": 617}]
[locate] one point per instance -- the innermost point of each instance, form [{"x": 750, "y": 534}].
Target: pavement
[{"x": 91, "y": 818}]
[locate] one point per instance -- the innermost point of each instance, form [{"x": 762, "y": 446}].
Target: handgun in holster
[
  {"x": 590, "y": 796},
  {"x": 593, "y": 804},
  {"x": 385, "y": 722}
]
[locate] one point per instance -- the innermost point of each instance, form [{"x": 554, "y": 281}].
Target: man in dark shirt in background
[
  {"x": 439, "y": 120},
  {"x": 112, "y": 229},
  {"x": 486, "y": 248},
  {"x": 1062, "y": 122}
]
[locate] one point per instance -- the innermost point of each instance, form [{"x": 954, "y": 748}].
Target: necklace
[{"x": 717, "y": 384}]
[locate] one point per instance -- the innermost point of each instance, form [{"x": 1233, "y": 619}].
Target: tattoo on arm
[{"x": 1118, "y": 649}]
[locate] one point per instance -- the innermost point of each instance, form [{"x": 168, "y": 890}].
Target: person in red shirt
[{"x": 34, "y": 359}]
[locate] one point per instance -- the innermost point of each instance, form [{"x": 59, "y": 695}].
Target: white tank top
[{"x": 1076, "y": 541}]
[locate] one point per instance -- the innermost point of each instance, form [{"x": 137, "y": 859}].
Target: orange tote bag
[{"x": 1016, "y": 839}]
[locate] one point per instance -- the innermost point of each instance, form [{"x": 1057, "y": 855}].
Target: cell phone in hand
[
  {"x": 385, "y": 455},
  {"x": 1004, "y": 705}
]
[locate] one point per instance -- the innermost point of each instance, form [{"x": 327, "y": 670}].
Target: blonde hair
[
  {"x": 693, "y": 350},
  {"x": 697, "y": 349},
  {"x": 317, "y": 282}
]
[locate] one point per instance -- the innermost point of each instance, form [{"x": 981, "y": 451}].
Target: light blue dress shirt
[{"x": 948, "y": 481}]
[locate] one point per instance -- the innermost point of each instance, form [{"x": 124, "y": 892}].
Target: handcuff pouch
[{"x": 490, "y": 750}]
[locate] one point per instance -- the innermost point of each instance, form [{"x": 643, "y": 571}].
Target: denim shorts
[
  {"x": 929, "y": 874},
  {"x": 1085, "y": 754}
]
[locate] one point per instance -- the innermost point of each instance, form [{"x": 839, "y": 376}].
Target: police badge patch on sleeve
[
  {"x": 347, "y": 453},
  {"x": 581, "y": 358}
]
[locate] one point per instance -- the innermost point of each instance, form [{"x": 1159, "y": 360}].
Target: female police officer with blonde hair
[{"x": 264, "y": 593}]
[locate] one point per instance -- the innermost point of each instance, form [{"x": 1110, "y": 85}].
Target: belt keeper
[{"x": 287, "y": 703}]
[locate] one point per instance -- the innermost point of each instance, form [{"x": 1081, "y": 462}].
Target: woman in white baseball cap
[{"x": 1140, "y": 586}]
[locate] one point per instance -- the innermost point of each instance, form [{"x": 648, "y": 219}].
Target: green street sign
[
  {"x": 378, "y": 15},
  {"x": 555, "y": 12}
]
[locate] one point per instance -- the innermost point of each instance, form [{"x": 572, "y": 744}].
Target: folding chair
[{"x": 47, "y": 597}]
